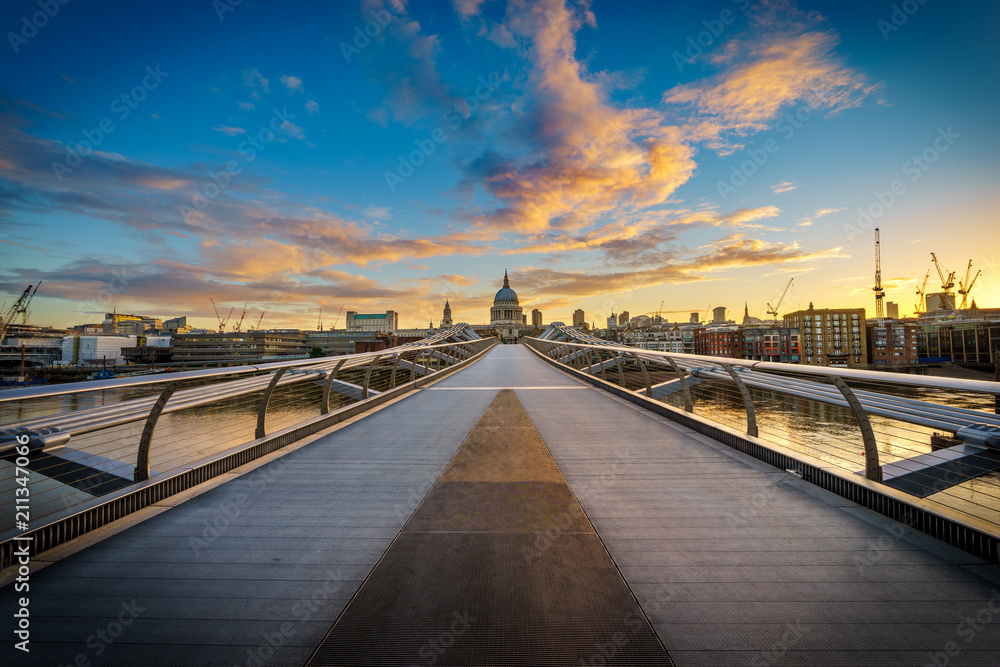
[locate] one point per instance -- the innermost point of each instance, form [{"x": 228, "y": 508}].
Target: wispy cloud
[
  {"x": 456, "y": 279},
  {"x": 783, "y": 187},
  {"x": 292, "y": 83},
  {"x": 786, "y": 60},
  {"x": 229, "y": 131},
  {"x": 256, "y": 82},
  {"x": 827, "y": 211}
]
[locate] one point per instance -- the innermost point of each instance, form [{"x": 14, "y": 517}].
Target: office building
[
  {"x": 385, "y": 323},
  {"x": 247, "y": 346},
  {"x": 831, "y": 336},
  {"x": 770, "y": 343},
  {"x": 892, "y": 343}
]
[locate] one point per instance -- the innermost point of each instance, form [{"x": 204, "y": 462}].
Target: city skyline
[{"x": 610, "y": 159}]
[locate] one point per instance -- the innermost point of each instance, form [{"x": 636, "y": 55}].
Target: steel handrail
[
  {"x": 25, "y": 393},
  {"x": 982, "y": 386}
]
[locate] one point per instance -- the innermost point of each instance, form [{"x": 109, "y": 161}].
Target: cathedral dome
[{"x": 506, "y": 294}]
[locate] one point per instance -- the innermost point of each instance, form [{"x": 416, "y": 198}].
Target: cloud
[
  {"x": 292, "y": 83},
  {"x": 786, "y": 60},
  {"x": 643, "y": 239},
  {"x": 408, "y": 60},
  {"x": 783, "y": 187},
  {"x": 572, "y": 156},
  {"x": 246, "y": 106},
  {"x": 456, "y": 279},
  {"x": 467, "y": 8},
  {"x": 293, "y": 130},
  {"x": 378, "y": 212},
  {"x": 732, "y": 252},
  {"x": 312, "y": 106},
  {"x": 827, "y": 211},
  {"x": 229, "y": 131},
  {"x": 819, "y": 213},
  {"x": 143, "y": 198},
  {"x": 256, "y": 82}
]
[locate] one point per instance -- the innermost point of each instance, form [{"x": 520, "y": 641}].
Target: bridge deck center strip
[{"x": 499, "y": 565}]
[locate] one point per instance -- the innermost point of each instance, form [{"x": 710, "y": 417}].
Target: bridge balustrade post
[
  {"x": 873, "y": 470},
  {"x": 688, "y": 401},
  {"x": 141, "y": 472},
  {"x": 747, "y": 400},
  {"x": 368, "y": 376},
  {"x": 324, "y": 406},
  {"x": 264, "y": 400},
  {"x": 645, "y": 374},
  {"x": 600, "y": 363}
]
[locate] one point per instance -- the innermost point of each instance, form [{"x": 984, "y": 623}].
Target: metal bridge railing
[
  {"x": 930, "y": 437},
  {"x": 90, "y": 439}
]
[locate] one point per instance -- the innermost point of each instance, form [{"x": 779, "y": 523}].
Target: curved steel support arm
[
  {"x": 264, "y": 400},
  {"x": 873, "y": 470},
  {"x": 141, "y": 472},
  {"x": 747, "y": 400},
  {"x": 324, "y": 406},
  {"x": 645, "y": 374},
  {"x": 600, "y": 364},
  {"x": 688, "y": 401},
  {"x": 621, "y": 373},
  {"x": 368, "y": 376},
  {"x": 395, "y": 365}
]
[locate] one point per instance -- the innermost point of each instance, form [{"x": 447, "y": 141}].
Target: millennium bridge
[{"x": 564, "y": 501}]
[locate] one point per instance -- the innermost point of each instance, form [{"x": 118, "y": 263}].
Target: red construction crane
[{"x": 239, "y": 325}]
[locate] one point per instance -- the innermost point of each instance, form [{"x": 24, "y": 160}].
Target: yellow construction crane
[
  {"x": 773, "y": 310},
  {"x": 20, "y": 307},
  {"x": 965, "y": 286},
  {"x": 879, "y": 292},
  {"x": 919, "y": 308},
  {"x": 947, "y": 284}
]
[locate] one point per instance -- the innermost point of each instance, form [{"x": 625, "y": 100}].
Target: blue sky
[{"x": 610, "y": 155}]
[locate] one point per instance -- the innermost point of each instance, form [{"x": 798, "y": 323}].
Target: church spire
[{"x": 506, "y": 281}]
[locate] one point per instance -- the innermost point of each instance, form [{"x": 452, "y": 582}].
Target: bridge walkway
[{"x": 731, "y": 562}]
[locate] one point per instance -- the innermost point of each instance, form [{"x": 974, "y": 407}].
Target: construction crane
[
  {"x": 338, "y": 316},
  {"x": 319, "y": 322},
  {"x": 24, "y": 308},
  {"x": 261, "y": 319},
  {"x": 239, "y": 325},
  {"x": 659, "y": 310},
  {"x": 226, "y": 321},
  {"x": 773, "y": 310},
  {"x": 879, "y": 292},
  {"x": 947, "y": 284},
  {"x": 222, "y": 324},
  {"x": 919, "y": 308},
  {"x": 965, "y": 287},
  {"x": 20, "y": 307}
]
